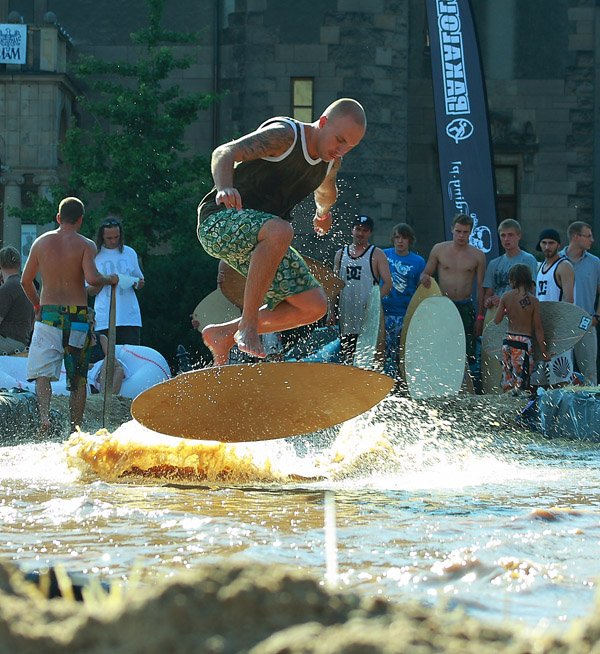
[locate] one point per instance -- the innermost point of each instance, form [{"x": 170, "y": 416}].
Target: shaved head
[{"x": 347, "y": 107}]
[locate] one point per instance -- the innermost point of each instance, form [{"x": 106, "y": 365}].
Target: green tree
[
  {"x": 133, "y": 162},
  {"x": 134, "y": 158}
]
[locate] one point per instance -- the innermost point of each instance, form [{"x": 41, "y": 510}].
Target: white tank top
[
  {"x": 547, "y": 287},
  {"x": 357, "y": 273}
]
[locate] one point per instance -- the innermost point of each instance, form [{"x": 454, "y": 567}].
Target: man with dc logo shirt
[{"x": 361, "y": 266}]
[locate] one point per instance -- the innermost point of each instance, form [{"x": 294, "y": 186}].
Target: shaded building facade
[{"x": 539, "y": 59}]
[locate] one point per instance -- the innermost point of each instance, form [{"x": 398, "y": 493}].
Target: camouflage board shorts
[{"x": 232, "y": 235}]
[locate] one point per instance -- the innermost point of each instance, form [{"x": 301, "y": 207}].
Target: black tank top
[{"x": 274, "y": 185}]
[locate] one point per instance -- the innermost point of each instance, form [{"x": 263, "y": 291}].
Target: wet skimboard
[
  {"x": 234, "y": 283},
  {"x": 435, "y": 349},
  {"x": 564, "y": 324},
  {"x": 259, "y": 401},
  {"x": 422, "y": 293}
]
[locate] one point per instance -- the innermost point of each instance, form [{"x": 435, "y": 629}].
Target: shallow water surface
[{"x": 507, "y": 525}]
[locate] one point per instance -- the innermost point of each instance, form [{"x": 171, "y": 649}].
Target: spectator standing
[
  {"x": 361, "y": 266},
  {"x": 460, "y": 266},
  {"x": 16, "y": 311},
  {"x": 496, "y": 281},
  {"x": 114, "y": 257},
  {"x": 587, "y": 286},
  {"x": 405, "y": 268},
  {"x": 555, "y": 283},
  {"x": 66, "y": 261}
]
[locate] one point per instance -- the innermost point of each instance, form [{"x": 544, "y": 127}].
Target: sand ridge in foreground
[{"x": 230, "y": 609}]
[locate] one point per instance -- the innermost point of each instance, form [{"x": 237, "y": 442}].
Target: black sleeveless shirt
[{"x": 274, "y": 185}]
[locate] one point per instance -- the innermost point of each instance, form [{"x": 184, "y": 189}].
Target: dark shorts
[
  {"x": 467, "y": 315},
  {"x": 125, "y": 335},
  {"x": 232, "y": 235}
]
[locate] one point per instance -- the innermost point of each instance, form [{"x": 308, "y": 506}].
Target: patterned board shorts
[
  {"x": 63, "y": 334},
  {"x": 517, "y": 357},
  {"x": 232, "y": 235}
]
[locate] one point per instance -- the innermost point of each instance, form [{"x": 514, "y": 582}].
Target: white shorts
[{"x": 46, "y": 352}]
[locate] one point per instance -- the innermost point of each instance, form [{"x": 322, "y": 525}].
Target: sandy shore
[{"x": 260, "y": 610}]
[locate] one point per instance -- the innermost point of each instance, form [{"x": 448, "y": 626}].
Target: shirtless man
[
  {"x": 458, "y": 265},
  {"x": 245, "y": 219},
  {"x": 65, "y": 260}
]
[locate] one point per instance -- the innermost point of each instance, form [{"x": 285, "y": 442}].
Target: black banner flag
[{"x": 463, "y": 135}]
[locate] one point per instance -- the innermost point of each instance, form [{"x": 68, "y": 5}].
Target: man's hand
[
  {"x": 492, "y": 301},
  {"x": 425, "y": 279},
  {"x": 322, "y": 225},
  {"x": 230, "y": 197}
]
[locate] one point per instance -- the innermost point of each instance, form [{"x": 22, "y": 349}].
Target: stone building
[{"x": 274, "y": 58}]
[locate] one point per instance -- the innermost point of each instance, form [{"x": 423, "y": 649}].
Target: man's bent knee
[
  {"x": 314, "y": 305},
  {"x": 277, "y": 230}
]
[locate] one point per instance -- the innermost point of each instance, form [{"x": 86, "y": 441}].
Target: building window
[
  {"x": 506, "y": 192},
  {"x": 303, "y": 93}
]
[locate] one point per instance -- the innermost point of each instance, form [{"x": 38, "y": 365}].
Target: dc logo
[
  {"x": 460, "y": 129},
  {"x": 542, "y": 287},
  {"x": 585, "y": 323},
  {"x": 353, "y": 272}
]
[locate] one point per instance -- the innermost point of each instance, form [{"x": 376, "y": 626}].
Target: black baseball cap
[
  {"x": 548, "y": 234},
  {"x": 365, "y": 221}
]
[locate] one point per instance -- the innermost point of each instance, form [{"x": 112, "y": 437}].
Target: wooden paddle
[
  {"x": 259, "y": 401},
  {"x": 109, "y": 372}
]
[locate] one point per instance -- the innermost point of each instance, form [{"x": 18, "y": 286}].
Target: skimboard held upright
[
  {"x": 564, "y": 324},
  {"x": 434, "y": 356},
  {"x": 259, "y": 401},
  {"x": 422, "y": 293}
]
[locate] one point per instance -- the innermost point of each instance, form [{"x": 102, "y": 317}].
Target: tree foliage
[{"x": 133, "y": 161}]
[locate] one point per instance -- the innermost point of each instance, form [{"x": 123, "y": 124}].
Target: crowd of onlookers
[
  {"x": 55, "y": 322},
  {"x": 570, "y": 274},
  {"x": 59, "y": 326}
]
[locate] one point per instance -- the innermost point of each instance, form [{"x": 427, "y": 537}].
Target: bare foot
[
  {"x": 248, "y": 341},
  {"x": 219, "y": 340},
  {"x": 44, "y": 429}
]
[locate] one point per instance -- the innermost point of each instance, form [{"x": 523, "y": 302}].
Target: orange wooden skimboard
[
  {"x": 234, "y": 283},
  {"x": 259, "y": 401}
]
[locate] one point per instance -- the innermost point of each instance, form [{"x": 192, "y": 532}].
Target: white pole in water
[{"x": 331, "y": 563}]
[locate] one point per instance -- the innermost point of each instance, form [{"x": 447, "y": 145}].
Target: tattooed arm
[{"x": 270, "y": 141}]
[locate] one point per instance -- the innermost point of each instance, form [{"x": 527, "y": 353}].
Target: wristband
[
  {"x": 36, "y": 307},
  {"x": 317, "y": 217},
  {"x": 480, "y": 317}
]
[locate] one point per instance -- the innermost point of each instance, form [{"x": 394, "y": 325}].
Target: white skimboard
[{"x": 435, "y": 350}]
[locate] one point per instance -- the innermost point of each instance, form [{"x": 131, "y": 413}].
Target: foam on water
[{"x": 426, "y": 507}]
